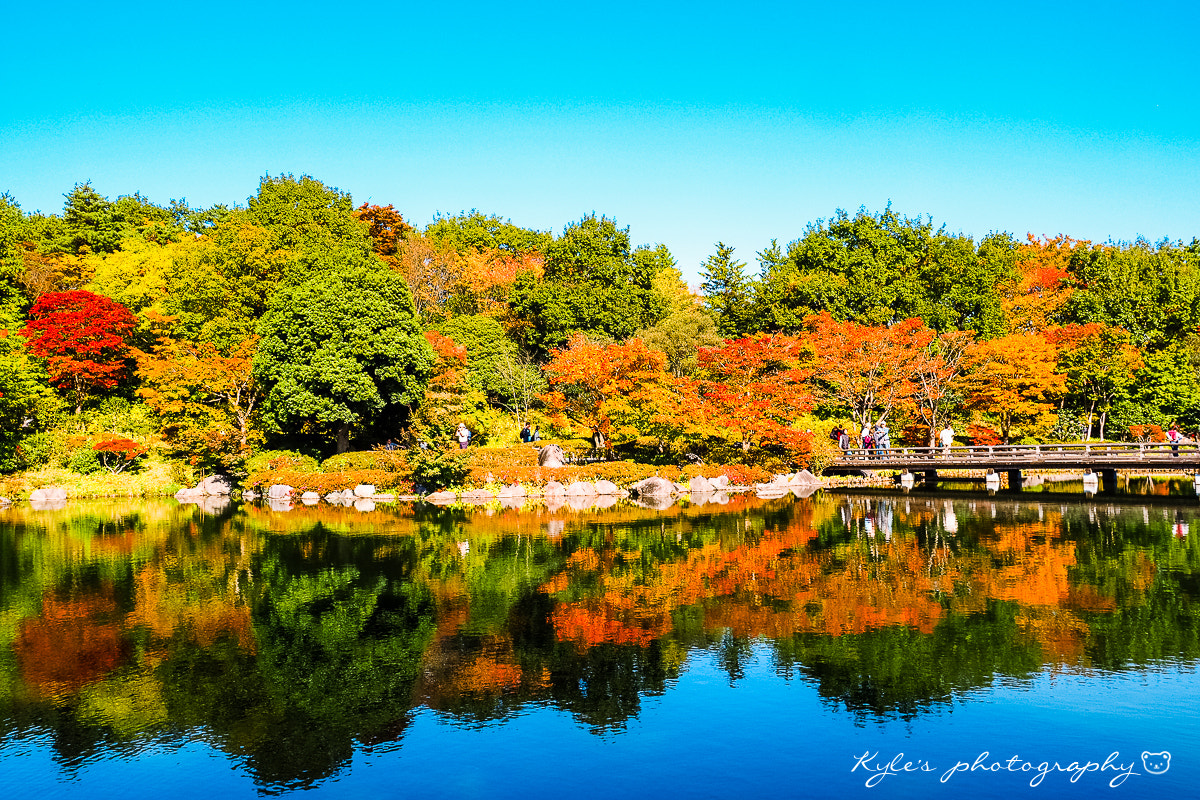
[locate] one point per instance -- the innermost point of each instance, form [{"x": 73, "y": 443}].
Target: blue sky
[{"x": 690, "y": 123}]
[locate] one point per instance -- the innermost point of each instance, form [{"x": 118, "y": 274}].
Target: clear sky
[{"x": 689, "y": 122}]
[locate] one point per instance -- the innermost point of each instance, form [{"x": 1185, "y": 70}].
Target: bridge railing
[{"x": 1034, "y": 453}]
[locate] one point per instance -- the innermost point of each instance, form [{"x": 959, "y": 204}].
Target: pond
[{"x": 845, "y": 644}]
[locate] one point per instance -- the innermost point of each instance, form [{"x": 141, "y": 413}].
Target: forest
[{"x": 300, "y": 327}]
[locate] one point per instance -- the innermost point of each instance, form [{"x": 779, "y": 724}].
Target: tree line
[{"x": 302, "y": 320}]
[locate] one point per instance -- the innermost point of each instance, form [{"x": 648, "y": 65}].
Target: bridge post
[
  {"x": 1015, "y": 479},
  {"x": 1108, "y": 479}
]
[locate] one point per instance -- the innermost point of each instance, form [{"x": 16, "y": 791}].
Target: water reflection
[{"x": 289, "y": 636}]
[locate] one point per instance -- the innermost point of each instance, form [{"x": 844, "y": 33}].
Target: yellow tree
[{"x": 1014, "y": 379}]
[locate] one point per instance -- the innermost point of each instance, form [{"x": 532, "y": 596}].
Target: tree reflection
[{"x": 290, "y": 639}]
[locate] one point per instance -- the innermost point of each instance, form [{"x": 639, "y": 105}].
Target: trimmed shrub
[
  {"x": 281, "y": 460},
  {"x": 380, "y": 459}
]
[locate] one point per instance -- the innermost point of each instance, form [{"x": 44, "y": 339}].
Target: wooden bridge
[{"x": 1103, "y": 458}]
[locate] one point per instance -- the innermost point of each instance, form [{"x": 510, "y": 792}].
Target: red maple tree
[{"x": 84, "y": 339}]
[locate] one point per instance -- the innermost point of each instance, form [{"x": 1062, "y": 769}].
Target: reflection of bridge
[{"x": 1104, "y": 458}]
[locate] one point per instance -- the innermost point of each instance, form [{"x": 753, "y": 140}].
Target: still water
[{"x": 845, "y": 644}]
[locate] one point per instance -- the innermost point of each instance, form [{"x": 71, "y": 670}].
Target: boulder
[
  {"x": 554, "y": 489},
  {"x": 581, "y": 489},
  {"x": 700, "y": 485},
  {"x": 653, "y": 487},
  {"x": 478, "y": 496},
  {"x": 608, "y": 489},
  {"x": 515, "y": 490},
  {"x": 4, "y": 501},
  {"x": 186, "y": 495},
  {"x": 279, "y": 491},
  {"x": 551, "y": 456},
  {"x": 441, "y": 498},
  {"x": 364, "y": 490},
  {"x": 806, "y": 478},
  {"x": 720, "y": 483},
  {"x": 48, "y": 494},
  {"x": 310, "y": 498},
  {"x": 249, "y": 495},
  {"x": 215, "y": 485}
]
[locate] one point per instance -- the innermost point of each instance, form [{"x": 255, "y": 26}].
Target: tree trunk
[{"x": 343, "y": 437}]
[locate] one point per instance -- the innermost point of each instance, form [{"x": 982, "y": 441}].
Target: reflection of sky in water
[{"x": 762, "y": 737}]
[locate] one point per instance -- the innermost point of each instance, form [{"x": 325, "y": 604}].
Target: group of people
[
  {"x": 528, "y": 435},
  {"x": 877, "y": 438}
]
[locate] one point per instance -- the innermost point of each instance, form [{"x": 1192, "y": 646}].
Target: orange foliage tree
[
  {"x": 754, "y": 389},
  {"x": 593, "y": 383},
  {"x": 872, "y": 369},
  {"x": 387, "y": 230},
  {"x": 1014, "y": 379},
  {"x": 1036, "y": 300},
  {"x": 208, "y": 401}
]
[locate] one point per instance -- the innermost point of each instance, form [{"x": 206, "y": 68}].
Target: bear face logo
[{"x": 1156, "y": 763}]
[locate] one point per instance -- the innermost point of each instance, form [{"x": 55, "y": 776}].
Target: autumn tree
[
  {"x": 587, "y": 377},
  {"x": 433, "y": 273},
  {"x": 209, "y": 403},
  {"x": 936, "y": 378},
  {"x": 1014, "y": 379},
  {"x": 387, "y": 230},
  {"x": 868, "y": 369},
  {"x": 1036, "y": 297},
  {"x": 84, "y": 339},
  {"x": 449, "y": 397},
  {"x": 754, "y": 388}
]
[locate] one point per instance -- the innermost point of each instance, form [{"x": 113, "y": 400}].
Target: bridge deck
[{"x": 1107, "y": 455}]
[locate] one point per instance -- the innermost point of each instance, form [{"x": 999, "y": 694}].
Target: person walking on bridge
[{"x": 946, "y": 437}]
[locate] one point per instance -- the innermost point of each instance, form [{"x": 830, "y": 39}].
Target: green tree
[
  {"x": 479, "y": 232},
  {"x": 12, "y": 234},
  {"x": 728, "y": 293},
  {"x": 594, "y": 283},
  {"x": 1151, "y": 291},
  {"x": 877, "y": 269},
  {"x": 314, "y": 223},
  {"x": 341, "y": 350},
  {"x": 487, "y": 349},
  {"x": 23, "y": 391}
]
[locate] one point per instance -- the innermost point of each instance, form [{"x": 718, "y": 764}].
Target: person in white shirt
[{"x": 947, "y": 437}]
